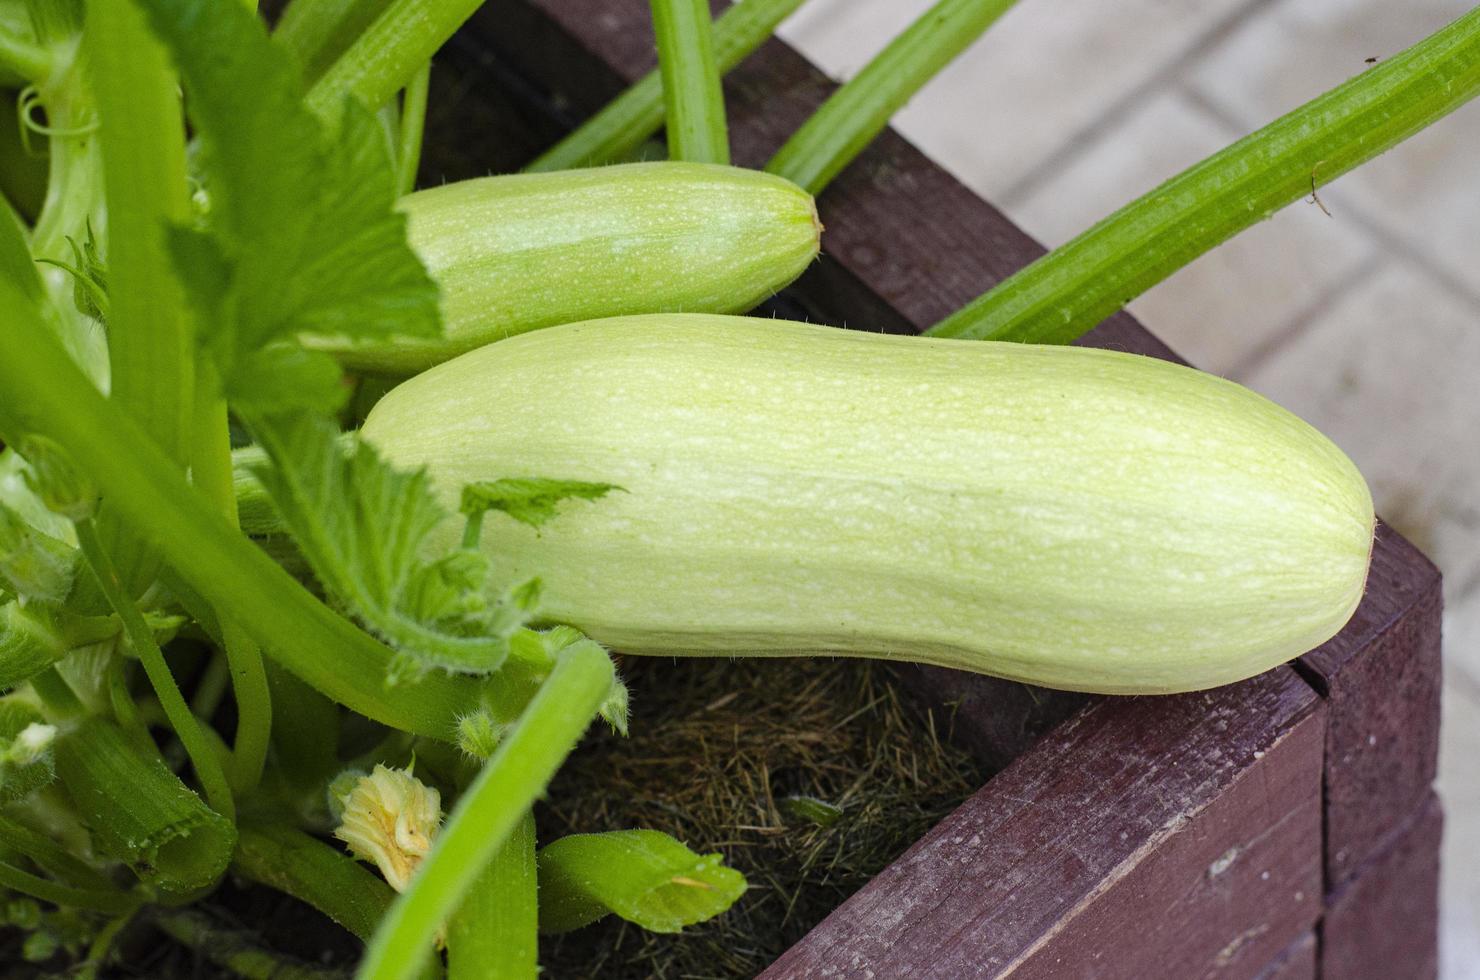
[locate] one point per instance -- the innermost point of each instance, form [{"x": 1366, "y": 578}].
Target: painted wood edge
[{"x": 1383, "y": 924}]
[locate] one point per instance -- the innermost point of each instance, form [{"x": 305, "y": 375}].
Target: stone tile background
[{"x": 1366, "y": 322}]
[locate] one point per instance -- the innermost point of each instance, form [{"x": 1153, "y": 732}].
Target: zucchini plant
[{"x": 238, "y": 639}]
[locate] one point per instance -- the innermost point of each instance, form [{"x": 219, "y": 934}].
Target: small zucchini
[
  {"x": 519, "y": 252},
  {"x": 1075, "y": 518}
]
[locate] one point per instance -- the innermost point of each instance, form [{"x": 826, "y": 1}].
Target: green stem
[
  {"x": 319, "y": 31},
  {"x": 141, "y": 638},
  {"x": 26, "y": 62},
  {"x": 211, "y": 471},
  {"x": 494, "y": 934},
  {"x": 693, "y": 97},
  {"x": 384, "y": 59},
  {"x": 111, "y": 902},
  {"x": 234, "y": 950},
  {"x": 629, "y": 120},
  {"x": 45, "y": 393},
  {"x": 492, "y": 807},
  {"x": 859, "y": 110},
  {"x": 16, "y": 262},
  {"x": 138, "y": 811},
  {"x": 211, "y": 687},
  {"x": 102, "y": 945},
  {"x": 51, "y": 856},
  {"x": 413, "y": 127},
  {"x": 142, "y": 133},
  {"x": 311, "y": 871},
  {"x": 1067, "y": 292},
  {"x": 125, "y": 709}
]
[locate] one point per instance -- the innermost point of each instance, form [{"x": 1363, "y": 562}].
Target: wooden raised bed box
[{"x": 1283, "y": 827}]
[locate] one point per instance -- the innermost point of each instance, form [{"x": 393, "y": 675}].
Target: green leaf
[
  {"x": 89, "y": 276},
  {"x": 363, "y": 527},
  {"x": 644, "y": 876},
  {"x": 528, "y": 500},
  {"x": 34, "y": 565},
  {"x": 300, "y": 236}
]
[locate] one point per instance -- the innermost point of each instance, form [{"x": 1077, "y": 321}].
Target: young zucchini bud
[
  {"x": 519, "y": 252},
  {"x": 1069, "y": 517}
]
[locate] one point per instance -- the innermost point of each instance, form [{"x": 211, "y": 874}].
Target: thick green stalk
[
  {"x": 385, "y": 58},
  {"x": 487, "y": 814},
  {"x": 413, "y": 127},
  {"x": 1065, "y": 293},
  {"x": 16, "y": 263},
  {"x": 311, "y": 871},
  {"x": 138, "y": 811},
  {"x": 46, "y": 394},
  {"x": 625, "y": 124},
  {"x": 142, "y": 133},
  {"x": 319, "y": 31},
  {"x": 494, "y": 934},
  {"x": 211, "y": 471},
  {"x": 692, "y": 95},
  {"x": 25, "y": 62},
  {"x": 141, "y": 638},
  {"x": 859, "y": 110}
]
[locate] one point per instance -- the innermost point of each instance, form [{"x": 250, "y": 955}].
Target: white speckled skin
[
  {"x": 1074, "y": 518},
  {"x": 523, "y": 251}
]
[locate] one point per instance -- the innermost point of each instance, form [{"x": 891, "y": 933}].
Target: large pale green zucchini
[
  {"x": 519, "y": 252},
  {"x": 1075, "y": 518}
]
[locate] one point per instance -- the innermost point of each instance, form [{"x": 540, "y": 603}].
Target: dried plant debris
[{"x": 809, "y": 775}]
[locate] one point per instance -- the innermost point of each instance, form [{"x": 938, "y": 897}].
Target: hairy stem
[
  {"x": 494, "y": 934},
  {"x": 319, "y": 31},
  {"x": 627, "y": 121},
  {"x": 213, "y": 477},
  {"x": 142, "y": 133},
  {"x": 1071, "y": 289},
  {"x": 859, "y": 110},
  {"x": 692, "y": 96},
  {"x": 384, "y": 59},
  {"x": 413, "y": 127},
  {"x": 141, "y": 638}
]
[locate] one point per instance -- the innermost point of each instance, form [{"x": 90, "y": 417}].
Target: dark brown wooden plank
[
  {"x": 1381, "y": 677},
  {"x": 1170, "y": 837},
  {"x": 1383, "y": 924},
  {"x": 1297, "y": 962}
]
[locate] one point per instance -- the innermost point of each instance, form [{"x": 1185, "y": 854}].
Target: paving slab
[
  {"x": 1423, "y": 190},
  {"x": 1225, "y": 307},
  {"x": 1038, "y": 78}
]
